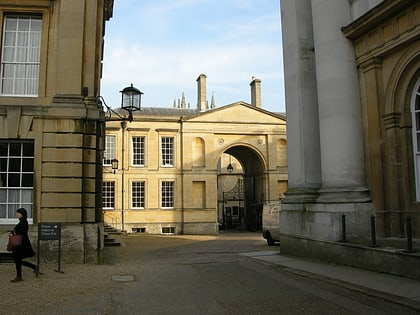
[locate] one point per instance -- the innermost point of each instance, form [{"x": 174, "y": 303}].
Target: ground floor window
[
  {"x": 108, "y": 195},
  {"x": 16, "y": 178},
  {"x": 167, "y": 189},
  {"x": 137, "y": 195}
]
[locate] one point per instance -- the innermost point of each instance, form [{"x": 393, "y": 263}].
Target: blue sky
[{"x": 162, "y": 46}]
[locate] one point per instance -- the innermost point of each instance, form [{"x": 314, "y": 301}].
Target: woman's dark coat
[{"x": 25, "y": 250}]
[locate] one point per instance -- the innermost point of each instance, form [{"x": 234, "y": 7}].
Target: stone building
[
  {"x": 352, "y": 73},
  {"x": 173, "y": 177},
  {"x": 51, "y": 128}
]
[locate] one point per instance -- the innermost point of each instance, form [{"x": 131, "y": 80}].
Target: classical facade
[
  {"x": 352, "y": 73},
  {"x": 52, "y": 130},
  {"x": 173, "y": 176}
]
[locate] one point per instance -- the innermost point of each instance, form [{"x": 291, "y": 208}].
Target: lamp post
[
  {"x": 130, "y": 102},
  {"x": 230, "y": 166}
]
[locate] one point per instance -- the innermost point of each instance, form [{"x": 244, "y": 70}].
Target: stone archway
[{"x": 242, "y": 201}]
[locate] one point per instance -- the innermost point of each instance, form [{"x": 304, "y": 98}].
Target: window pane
[
  {"x": 15, "y": 149},
  {"x": 3, "y": 164},
  {"x": 4, "y": 149},
  {"x": 28, "y": 149},
  {"x": 9, "y": 39},
  {"x": 14, "y": 180},
  {"x": 2, "y": 211},
  {"x": 27, "y": 180},
  {"x": 23, "y": 24},
  {"x": 11, "y": 24},
  {"x": 27, "y": 165},
  {"x": 3, "y": 179},
  {"x": 14, "y": 165}
]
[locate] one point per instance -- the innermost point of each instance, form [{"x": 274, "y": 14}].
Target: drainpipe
[{"x": 181, "y": 122}]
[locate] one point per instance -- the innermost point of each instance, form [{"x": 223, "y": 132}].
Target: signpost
[{"x": 50, "y": 232}]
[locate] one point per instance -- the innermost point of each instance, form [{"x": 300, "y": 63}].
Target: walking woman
[{"x": 25, "y": 250}]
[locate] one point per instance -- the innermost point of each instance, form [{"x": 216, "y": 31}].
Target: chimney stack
[
  {"x": 255, "y": 92},
  {"x": 201, "y": 93}
]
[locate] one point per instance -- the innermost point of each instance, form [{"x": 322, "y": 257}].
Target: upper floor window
[
  {"x": 20, "y": 55},
  {"x": 138, "y": 151},
  {"x": 167, "y": 151},
  {"x": 109, "y": 153},
  {"x": 16, "y": 178}
]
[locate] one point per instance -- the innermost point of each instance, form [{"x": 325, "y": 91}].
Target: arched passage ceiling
[{"x": 250, "y": 161}]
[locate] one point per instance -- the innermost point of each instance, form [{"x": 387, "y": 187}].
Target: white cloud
[{"x": 163, "y": 64}]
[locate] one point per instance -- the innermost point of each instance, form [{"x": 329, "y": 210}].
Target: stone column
[
  {"x": 339, "y": 105},
  {"x": 304, "y": 178}
]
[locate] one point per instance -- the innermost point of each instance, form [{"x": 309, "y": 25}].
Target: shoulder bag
[{"x": 15, "y": 240}]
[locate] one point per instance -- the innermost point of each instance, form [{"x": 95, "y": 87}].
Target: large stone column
[
  {"x": 304, "y": 178},
  {"x": 339, "y": 105}
]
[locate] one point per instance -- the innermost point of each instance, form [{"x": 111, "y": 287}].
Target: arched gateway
[{"x": 242, "y": 188}]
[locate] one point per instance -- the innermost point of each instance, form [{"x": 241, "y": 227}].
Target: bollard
[
  {"x": 343, "y": 228},
  {"x": 409, "y": 236},
  {"x": 373, "y": 231}
]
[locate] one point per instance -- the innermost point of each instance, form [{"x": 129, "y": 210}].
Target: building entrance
[{"x": 241, "y": 189}]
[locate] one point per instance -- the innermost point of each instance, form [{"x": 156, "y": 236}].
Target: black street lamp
[
  {"x": 229, "y": 168},
  {"x": 131, "y": 100}
]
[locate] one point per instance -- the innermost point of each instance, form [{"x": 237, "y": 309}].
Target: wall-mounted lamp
[
  {"x": 114, "y": 165},
  {"x": 130, "y": 101}
]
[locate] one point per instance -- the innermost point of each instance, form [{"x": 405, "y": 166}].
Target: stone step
[
  {"x": 6, "y": 257},
  {"x": 110, "y": 230},
  {"x": 110, "y": 241}
]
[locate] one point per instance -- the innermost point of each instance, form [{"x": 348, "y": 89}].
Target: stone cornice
[
  {"x": 383, "y": 28},
  {"x": 387, "y": 10}
]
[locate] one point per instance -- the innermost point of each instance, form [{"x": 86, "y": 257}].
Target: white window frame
[
  {"x": 20, "y": 55},
  {"x": 415, "y": 115},
  {"x": 110, "y": 149},
  {"x": 108, "y": 195},
  {"x": 20, "y": 165},
  {"x": 138, "y": 151},
  {"x": 167, "y": 194},
  {"x": 167, "y": 150},
  {"x": 138, "y": 194}
]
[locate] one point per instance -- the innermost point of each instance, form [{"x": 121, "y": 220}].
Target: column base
[
  {"x": 343, "y": 195},
  {"x": 301, "y": 195},
  {"x": 323, "y": 221}
]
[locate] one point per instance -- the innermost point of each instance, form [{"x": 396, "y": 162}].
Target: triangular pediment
[{"x": 239, "y": 112}]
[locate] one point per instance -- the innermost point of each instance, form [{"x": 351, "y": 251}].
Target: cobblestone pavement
[
  {"x": 182, "y": 275},
  {"x": 35, "y": 294}
]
